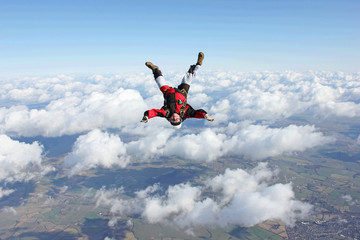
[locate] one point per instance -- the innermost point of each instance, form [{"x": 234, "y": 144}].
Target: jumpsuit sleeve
[
  {"x": 154, "y": 113},
  {"x": 191, "y": 113}
]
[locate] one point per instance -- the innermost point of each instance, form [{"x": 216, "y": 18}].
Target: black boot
[{"x": 191, "y": 69}]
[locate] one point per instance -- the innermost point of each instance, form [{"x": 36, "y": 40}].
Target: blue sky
[{"x": 40, "y": 37}]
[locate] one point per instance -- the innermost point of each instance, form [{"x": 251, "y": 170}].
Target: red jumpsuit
[{"x": 175, "y": 102}]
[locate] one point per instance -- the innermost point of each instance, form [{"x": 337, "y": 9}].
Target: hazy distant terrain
[{"x": 280, "y": 161}]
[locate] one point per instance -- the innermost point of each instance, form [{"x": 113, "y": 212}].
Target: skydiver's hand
[
  {"x": 207, "y": 117},
  {"x": 145, "y": 119}
]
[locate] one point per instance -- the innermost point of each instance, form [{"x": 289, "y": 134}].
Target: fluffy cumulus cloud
[
  {"x": 259, "y": 142},
  {"x": 151, "y": 142},
  {"x": 244, "y": 198},
  {"x": 205, "y": 146},
  {"x": 73, "y": 114},
  {"x": 5, "y": 192},
  {"x": 19, "y": 161},
  {"x": 95, "y": 149},
  {"x": 256, "y": 142}
]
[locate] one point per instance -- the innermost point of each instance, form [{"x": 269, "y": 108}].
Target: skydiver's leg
[
  {"x": 191, "y": 73},
  {"x": 159, "y": 78},
  {"x": 186, "y": 81}
]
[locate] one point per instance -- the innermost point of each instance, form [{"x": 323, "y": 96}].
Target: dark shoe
[
  {"x": 151, "y": 66},
  {"x": 200, "y": 58},
  {"x": 191, "y": 69}
]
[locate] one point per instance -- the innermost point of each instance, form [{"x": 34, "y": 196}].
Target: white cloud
[
  {"x": 179, "y": 198},
  {"x": 199, "y": 99},
  {"x": 152, "y": 144},
  {"x": 259, "y": 104},
  {"x": 108, "y": 238},
  {"x": 254, "y": 141},
  {"x": 63, "y": 189},
  {"x": 20, "y": 161},
  {"x": 242, "y": 198},
  {"x": 273, "y": 95},
  {"x": 5, "y": 192},
  {"x": 349, "y": 199},
  {"x": 259, "y": 142},
  {"x": 205, "y": 146},
  {"x": 222, "y": 111},
  {"x": 9, "y": 210},
  {"x": 113, "y": 199},
  {"x": 95, "y": 149},
  {"x": 72, "y": 114},
  {"x": 238, "y": 180}
]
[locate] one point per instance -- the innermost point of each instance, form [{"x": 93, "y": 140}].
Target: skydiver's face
[{"x": 175, "y": 118}]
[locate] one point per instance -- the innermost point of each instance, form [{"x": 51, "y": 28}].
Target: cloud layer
[
  {"x": 242, "y": 103},
  {"x": 243, "y": 198},
  {"x": 66, "y": 105},
  {"x": 19, "y": 161}
]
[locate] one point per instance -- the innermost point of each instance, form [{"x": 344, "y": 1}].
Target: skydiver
[{"x": 176, "y": 109}]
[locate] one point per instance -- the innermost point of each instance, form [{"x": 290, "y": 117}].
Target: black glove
[{"x": 145, "y": 119}]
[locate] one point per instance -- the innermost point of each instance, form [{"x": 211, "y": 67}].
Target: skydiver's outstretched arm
[
  {"x": 200, "y": 113},
  {"x": 153, "y": 113}
]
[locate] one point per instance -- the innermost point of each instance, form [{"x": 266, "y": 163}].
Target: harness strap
[
  {"x": 182, "y": 111},
  {"x": 173, "y": 101}
]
